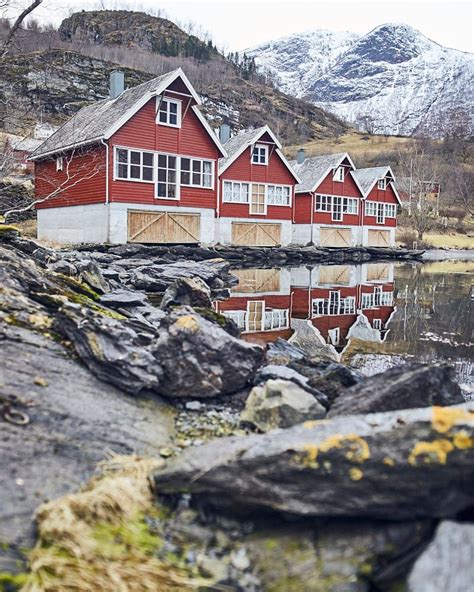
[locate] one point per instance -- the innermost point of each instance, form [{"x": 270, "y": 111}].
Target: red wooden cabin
[{"x": 256, "y": 191}]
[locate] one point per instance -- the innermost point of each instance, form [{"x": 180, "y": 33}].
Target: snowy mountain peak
[{"x": 394, "y": 76}]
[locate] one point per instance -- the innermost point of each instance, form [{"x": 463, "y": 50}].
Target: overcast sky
[{"x": 236, "y": 25}]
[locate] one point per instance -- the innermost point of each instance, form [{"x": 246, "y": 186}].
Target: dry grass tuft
[{"x": 100, "y": 539}]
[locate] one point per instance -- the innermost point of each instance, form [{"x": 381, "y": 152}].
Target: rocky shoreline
[{"x": 256, "y": 470}]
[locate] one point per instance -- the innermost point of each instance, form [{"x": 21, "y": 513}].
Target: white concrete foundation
[
  {"x": 73, "y": 224},
  {"x": 223, "y": 234},
  {"x": 301, "y": 234}
]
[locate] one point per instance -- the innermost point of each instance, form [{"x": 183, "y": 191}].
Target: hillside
[
  {"x": 392, "y": 80},
  {"x": 71, "y": 67}
]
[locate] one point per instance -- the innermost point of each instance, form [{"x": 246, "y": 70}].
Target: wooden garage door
[
  {"x": 335, "y": 237},
  {"x": 379, "y": 238},
  {"x": 378, "y": 271},
  {"x": 163, "y": 227},
  {"x": 334, "y": 274},
  {"x": 256, "y": 234},
  {"x": 257, "y": 280}
]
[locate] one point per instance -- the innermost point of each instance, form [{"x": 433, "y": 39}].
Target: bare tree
[{"x": 17, "y": 24}]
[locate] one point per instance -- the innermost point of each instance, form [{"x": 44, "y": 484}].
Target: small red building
[
  {"x": 256, "y": 191},
  {"x": 379, "y": 216},
  {"x": 139, "y": 166}
]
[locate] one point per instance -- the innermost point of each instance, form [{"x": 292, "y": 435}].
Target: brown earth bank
[{"x": 222, "y": 466}]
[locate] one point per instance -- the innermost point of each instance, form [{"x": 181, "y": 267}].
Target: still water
[{"x": 371, "y": 316}]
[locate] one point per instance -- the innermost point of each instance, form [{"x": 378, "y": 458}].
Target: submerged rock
[
  {"x": 402, "y": 387},
  {"x": 396, "y": 465},
  {"x": 447, "y": 564},
  {"x": 280, "y": 404}
]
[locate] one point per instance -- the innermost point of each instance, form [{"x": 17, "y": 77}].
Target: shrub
[{"x": 407, "y": 237}]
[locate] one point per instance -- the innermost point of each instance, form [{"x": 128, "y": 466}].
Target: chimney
[
  {"x": 224, "y": 133},
  {"x": 300, "y": 156},
  {"x": 117, "y": 83}
]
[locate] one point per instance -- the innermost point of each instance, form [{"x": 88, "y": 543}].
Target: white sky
[{"x": 236, "y": 25}]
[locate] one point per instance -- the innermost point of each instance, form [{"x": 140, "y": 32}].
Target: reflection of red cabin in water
[
  {"x": 260, "y": 305},
  {"x": 343, "y": 301}
]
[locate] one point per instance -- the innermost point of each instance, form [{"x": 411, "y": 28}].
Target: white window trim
[
  {"x": 384, "y": 182},
  {"x": 374, "y": 204},
  {"x": 129, "y": 179},
  {"x": 288, "y": 205},
  {"x": 337, "y": 174},
  {"x": 224, "y": 200},
  {"x": 356, "y": 203},
  {"x": 333, "y": 210},
  {"x": 178, "y": 176},
  {"x": 259, "y": 146},
  {"x": 329, "y": 202},
  {"x": 191, "y": 158},
  {"x": 59, "y": 163},
  {"x": 177, "y": 102},
  {"x": 390, "y": 207},
  {"x": 380, "y": 219},
  {"x": 264, "y": 213}
]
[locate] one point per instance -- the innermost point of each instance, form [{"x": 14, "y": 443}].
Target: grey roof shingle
[
  {"x": 312, "y": 170},
  {"x": 367, "y": 177},
  {"x": 92, "y": 122},
  {"x": 237, "y": 143}
]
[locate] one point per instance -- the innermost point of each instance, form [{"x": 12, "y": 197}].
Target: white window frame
[
  {"x": 168, "y": 100},
  {"x": 275, "y": 319},
  {"x": 337, "y": 214},
  {"x": 371, "y": 205},
  {"x": 233, "y": 185},
  {"x": 260, "y": 148},
  {"x": 353, "y": 200},
  {"x": 264, "y": 213},
  {"x": 192, "y": 172},
  {"x": 380, "y": 217},
  {"x": 59, "y": 163},
  {"x": 382, "y": 184},
  {"x": 377, "y": 324},
  {"x": 178, "y": 176},
  {"x": 328, "y": 205},
  {"x": 390, "y": 211},
  {"x": 339, "y": 174},
  {"x": 129, "y": 164},
  {"x": 283, "y": 187}
]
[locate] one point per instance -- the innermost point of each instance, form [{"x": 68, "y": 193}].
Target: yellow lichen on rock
[
  {"x": 444, "y": 418},
  {"x": 355, "y": 474},
  {"x": 188, "y": 322},
  {"x": 431, "y": 452},
  {"x": 463, "y": 440},
  {"x": 40, "y": 321},
  {"x": 314, "y": 423},
  {"x": 388, "y": 461},
  {"x": 357, "y": 448}
]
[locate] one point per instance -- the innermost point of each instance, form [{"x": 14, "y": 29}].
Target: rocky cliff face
[{"x": 393, "y": 79}]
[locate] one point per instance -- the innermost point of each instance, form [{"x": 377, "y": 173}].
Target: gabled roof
[
  {"x": 102, "y": 119},
  {"x": 236, "y": 145},
  {"x": 314, "y": 169},
  {"x": 367, "y": 178}
]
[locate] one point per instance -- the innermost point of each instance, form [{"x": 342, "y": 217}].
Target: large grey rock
[
  {"x": 124, "y": 298},
  {"x": 190, "y": 291},
  {"x": 447, "y": 565},
  {"x": 402, "y": 387},
  {"x": 280, "y": 404},
  {"x": 395, "y": 465}
]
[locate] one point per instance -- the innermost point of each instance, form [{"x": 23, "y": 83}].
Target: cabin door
[{"x": 163, "y": 227}]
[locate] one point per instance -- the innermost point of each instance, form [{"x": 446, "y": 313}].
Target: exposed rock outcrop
[{"x": 395, "y": 465}]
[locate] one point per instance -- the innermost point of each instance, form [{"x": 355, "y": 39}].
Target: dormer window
[
  {"x": 260, "y": 154},
  {"x": 170, "y": 112},
  {"x": 59, "y": 163},
  {"x": 339, "y": 174},
  {"x": 382, "y": 184}
]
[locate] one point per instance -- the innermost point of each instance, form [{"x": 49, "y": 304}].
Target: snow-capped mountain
[{"x": 392, "y": 80}]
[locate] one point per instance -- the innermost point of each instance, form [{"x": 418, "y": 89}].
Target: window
[
  {"x": 134, "y": 165},
  {"x": 370, "y": 208},
  {"x": 323, "y": 203},
  {"x": 166, "y": 186},
  {"x": 377, "y": 324},
  {"x": 350, "y": 205},
  {"x": 390, "y": 210},
  {"x": 170, "y": 112},
  {"x": 260, "y": 154},
  {"x": 382, "y": 184},
  {"x": 339, "y": 174},
  {"x": 276, "y": 318},
  {"x": 278, "y": 195},
  {"x": 337, "y": 209},
  {"x": 59, "y": 163},
  {"x": 236, "y": 192},
  {"x": 348, "y": 305},
  {"x": 380, "y": 213},
  {"x": 257, "y": 201},
  {"x": 196, "y": 173}
]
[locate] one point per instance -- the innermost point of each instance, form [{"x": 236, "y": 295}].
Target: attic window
[
  {"x": 339, "y": 174},
  {"x": 260, "y": 154},
  {"x": 59, "y": 163},
  {"x": 170, "y": 112},
  {"x": 382, "y": 184}
]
